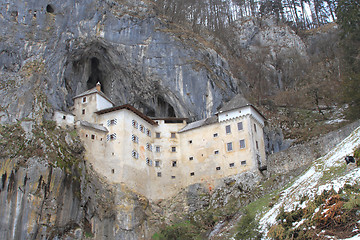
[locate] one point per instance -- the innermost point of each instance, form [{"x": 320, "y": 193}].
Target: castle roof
[
  {"x": 93, "y": 126},
  {"x": 200, "y": 123},
  {"x": 130, "y": 108},
  {"x": 238, "y": 102},
  {"x": 91, "y": 91}
]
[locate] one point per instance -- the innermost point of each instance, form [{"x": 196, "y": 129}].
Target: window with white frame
[
  {"x": 216, "y": 152},
  {"x": 218, "y": 168},
  {"x": 174, "y": 163},
  {"x": 149, "y": 147},
  {"x": 111, "y": 137},
  {"x": 242, "y": 143},
  {"x": 228, "y": 129},
  {"x": 232, "y": 165},
  {"x": 84, "y": 99},
  {"x": 142, "y": 128},
  {"x": 135, "y": 154},
  {"x": 157, "y": 135},
  {"x": 240, "y": 126},
  {"x": 243, "y": 162},
  {"x": 135, "y": 138},
  {"x": 192, "y": 173},
  {"x": 215, "y": 135},
  {"x": 173, "y": 149},
  {"x": 191, "y": 158},
  {"x": 112, "y": 122},
  {"x": 134, "y": 124},
  {"x": 148, "y": 162},
  {"x": 148, "y": 132},
  {"x": 157, "y": 163},
  {"x": 158, "y": 149},
  {"x": 159, "y": 174},
  {"x": 229, "y": 146},
  {"x": 173, "y": 135}
]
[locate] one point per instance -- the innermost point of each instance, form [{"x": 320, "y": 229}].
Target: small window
[
  {"x": 112, "y": 171},
  {"x": 84, "y": 100},
  {"x": 173, "y": 135},
  {"x": 231, "y": 164},
  {"x": 158, "y": 149},
  {"x": 159, "y": 174},
  {"x": 191, "y": 158},
  {"x": 157, "y": 163},
  {"x": 148, "y": 132},
  {"x": 242, "y": 143},
  {"x": 113, "y": 154},
  {"x": 134, "y": 124},
  {"x": 148, "y": 162},
  {"x": 92, "y": 136},
  {"x": 64, "y": 117},
  {"x": 157, "y": 135},
  {"x": 218, "y": 168},
  {"x": 83, "y": 111},
  {"x": 173, "y": 163},
  {"x": 215, "y": 135},
  {"x": 228, "y": 129},
  {"x": 240, "y": 126},
  {"x": 135, "y": 154},
  {"x": 172, "y": 177},
  {"x": 243, "y": 162},
  {"x": 112, "y": 122},
  {"x": 86, "y": 135},
  {"x": 192, "y": 174},
  {"x": 229, "y": 146},
  {"x": 149, "y": 147},
  {"x": 111, "y": 137},
  {"x": 255, "y": 127},
  {"x": 142, "y": 128},
  {"x": 216, "y": 152},
  {"x": 190, "y": 141},
  {"x": 134, "y": 138},
  {"x": 257, "y": 145},
  {"x": 173, "y": 149}
]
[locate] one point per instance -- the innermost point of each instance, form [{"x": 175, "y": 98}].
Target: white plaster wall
[
  {"x": 241, "y": 112},
  {"x": 102, "y": 103},
  {"x": 60, "y": 121}
]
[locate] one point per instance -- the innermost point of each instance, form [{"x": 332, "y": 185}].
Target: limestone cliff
[{"x": 62, "y": 48}]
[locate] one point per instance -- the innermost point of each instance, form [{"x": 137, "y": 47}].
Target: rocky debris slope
[{"x": 63, "y": 48}]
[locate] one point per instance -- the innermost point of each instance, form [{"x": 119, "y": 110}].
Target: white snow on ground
[{"x": 308, "y": 184}]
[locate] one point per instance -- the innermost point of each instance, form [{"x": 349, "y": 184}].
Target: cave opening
[
  {"x": 95, "y": 74},
  {"x": 165, "y": 108},
  {"x": 50, "y": 9}
]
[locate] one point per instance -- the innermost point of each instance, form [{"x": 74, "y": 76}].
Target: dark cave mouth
[{"x": 96, "y": 75}]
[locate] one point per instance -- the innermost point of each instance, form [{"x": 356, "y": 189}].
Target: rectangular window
[
  {"x": 148, "y": 132},
  {"x": 231, "y": 164},
  {"x": 229, "y": 146},
  {"x": 255, "y": 127},
  {"x": 142, "y": 128},
  {"x": 149, "y": 147},
  {"x": 242, "y": 143},
  {"x": 257, "y": 145},
  {"x": 111, "y": 137},
  {"x": 134, "y": 124},
  {"x": 83, "y": 111},
  {"x": 92, "y": 136},
  {"x": 134, "y": 138},
  {"x": 215, "y": 134},
  {"x": 218, "y": 168},
  {"x": 192, "y": 174},
  {"x": 84, "y": 100},
  {"x": 172, "y": 177},
  {"x": 158, "y": 149},
  {"x": 173, "y": 149},
  {"x": 112, "y": 171},
  {"x": 135, "y": 154},
  {"x": 190, "y": 141},
  {"x": 173, "y": 163},
  {"x": 191, "y": 158},
  {"x": 112, "y": 122},
  {"x": 216, "y": 152},
  {"x": 159, "y": 174},
  {"x": 173, "y": 135},
  {"x": 228, "y": 129},
  {"x": 243, "y": 162},
  {"x": 240, "y": 126},
  {"x": 157, "y": 135},
  {"x": 157, "y": 163},
  {"x": 64, "y": 117},
  {"x": 148, "y": 162}
]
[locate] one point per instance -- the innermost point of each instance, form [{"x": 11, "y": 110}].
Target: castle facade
[{"x": 158, "y": 156}]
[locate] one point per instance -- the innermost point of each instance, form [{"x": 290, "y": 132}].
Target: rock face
[{"x": 65, "y": 47}]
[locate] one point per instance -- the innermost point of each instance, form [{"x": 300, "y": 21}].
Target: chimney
[{"x": 98, "y": 87}]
